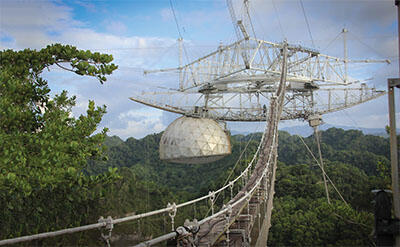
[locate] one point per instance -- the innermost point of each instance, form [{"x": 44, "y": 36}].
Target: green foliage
[
  {"x": 356, "y": 163},
  {"x": 30, "y": 63},
  {"x": 43, "y": 149},
  {"x": 349, "y": 147},
  {"x": 194, "y": 179},
  {"x": 302, "y": 216},
  {"x": 297, "y": 221},
  {"x": 384, "y": 176}
]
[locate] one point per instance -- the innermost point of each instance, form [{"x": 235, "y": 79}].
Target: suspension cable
[
  {"x": 311, "y": 153},
  {"x": 180, "y": 34},
  {"x": 321, "y": 162},
  {"x": 238, "y": 161},
  {"x": 250, "y": 21},
  {"x": 332, "y": 41},
  {"x": 308, "y": 25},
  {"x": 176, "y": 20},
  {"x": 279, "y": 19}
]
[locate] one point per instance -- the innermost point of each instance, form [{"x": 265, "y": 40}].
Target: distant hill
[
  {"x": 112, "y": 141},
  {"x": 305, "y": 130}
]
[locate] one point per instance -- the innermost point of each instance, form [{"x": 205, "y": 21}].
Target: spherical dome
[{"x": 194, "y": 141}]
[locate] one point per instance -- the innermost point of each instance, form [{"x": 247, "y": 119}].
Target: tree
[
  {"x": 43, "y": 149},
  {"x": 302, "y": 222}
]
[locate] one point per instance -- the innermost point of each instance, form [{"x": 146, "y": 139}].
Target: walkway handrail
[{"x": 53, "y": 234}]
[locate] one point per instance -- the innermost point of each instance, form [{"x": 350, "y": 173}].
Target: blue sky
[
  {"x": 142, "y": 18},
  {"x": 142, "y": 34}
]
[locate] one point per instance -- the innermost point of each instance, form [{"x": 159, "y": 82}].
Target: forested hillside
[{"x": 355, "y": 162}]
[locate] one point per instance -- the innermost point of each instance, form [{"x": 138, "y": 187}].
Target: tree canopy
[{"x": 43, "y": 148}]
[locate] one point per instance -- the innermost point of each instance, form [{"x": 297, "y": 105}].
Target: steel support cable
[
  {"x": 237, "y": 162},
  {"x": 279, "y": 19},
  {"x": 181, "y": 37},
  {"x": 176, "y": 20},
  {"x": 311, "y": 153},
  {"x": 162, "y": 55},
  {"x": 368, "y": 46},
  {"x": 322, "y": 163},
  {"x": 308, "y": 25},
  {"x": 255, "y": 37},
  {"x": 330, "y": 43},
  {"x": 340, "y": 195},
  {"x": 52, "y": 234},
  {"x": 248, "y": 16}
]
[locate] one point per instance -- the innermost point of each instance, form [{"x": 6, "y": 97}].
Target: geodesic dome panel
[{"x": 194, "y": 141}]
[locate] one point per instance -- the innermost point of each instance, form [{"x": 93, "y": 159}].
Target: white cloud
[
  {"x": 31, "y": 22},
  {"x": 127, "y": 51},
  {"x": 116, "y": 27},
  {"x": 166, "y": 14},
  {"x": 139, "y": 123},
  {"x": 87, "y": 5}
]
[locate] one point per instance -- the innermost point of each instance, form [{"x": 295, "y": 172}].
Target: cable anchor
[
  {"x": 245, "y": 175},
  {"x": 231, "y": 188},
  {"x": 228, "y": 215},
  {"x": 172, "y": 214},
  {"x": 108, "y": 227},
  {"x": 187, "y": 234},
  {"x": 248, "y": 198},
  {"x": 212, "y": 198}
]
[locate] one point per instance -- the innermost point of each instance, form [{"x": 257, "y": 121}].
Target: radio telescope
[{"x": 237, "y": 82}]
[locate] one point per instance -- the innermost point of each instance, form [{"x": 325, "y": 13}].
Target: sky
[{"x": 142, "y": 34}]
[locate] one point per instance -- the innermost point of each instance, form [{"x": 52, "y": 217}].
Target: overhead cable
[
  {"x": 308, "y": 25},
  {"x": 279, "y": 20},
  {"x": 176, "y": 20},
  {"x": 308, "y": 149}
]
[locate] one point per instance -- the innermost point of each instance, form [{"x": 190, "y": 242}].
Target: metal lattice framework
[{"x": 236, "y": 82}]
